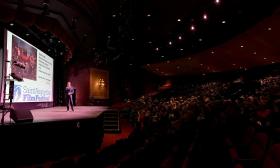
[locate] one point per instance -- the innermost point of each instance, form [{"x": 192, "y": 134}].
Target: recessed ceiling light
[
  {"x": 203, "y": 74},
  {"x": 179, "y": 20},
  {"x": 192, "y": 28},
  {"x": 205, "y": 17},
  {"x": 269, "y": 29},
  {"x": 162, "y": 56},
  {"x": 170, "y": 42},
  {"x": 132, "y": 39},
  {"x": 150, "y": 42},
  {"x": 217, "y": 1},
  {"x": 27, "y": 34},
  {"x": 130, "y": 64},
  {"x": 265, "y": 58},
  {"x": 157, "y": 49},
  {"x": 114, "y": 15},
  {"x": 255, "y": 53},
  {"x": 272, "y": 62},
  {"x": 223, "y": 21},
  {"x": 11, "y": 24},
  {"x": 200, "y": 39},
  {"x": 180, "y": 37},
  {"x": 241, "y": 46},
  {"x": 212, "y": 52},
  {"x": 181, "y": 49},
  {"x": 149, "y": 15}
]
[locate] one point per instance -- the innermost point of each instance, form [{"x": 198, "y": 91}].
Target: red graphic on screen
[{"x": 26, "y": 55}]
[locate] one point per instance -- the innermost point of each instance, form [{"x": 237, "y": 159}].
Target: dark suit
[{"x": 69, "y": 97}]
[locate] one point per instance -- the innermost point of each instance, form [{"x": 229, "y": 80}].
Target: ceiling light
[
  {"x": 241, "y": 46},
  {"x": 192, "y": 27},
  {"x": 233, "y": 64},
  {"x": 180, "y": 37},
  {"x": 148, "y": 15},
  {"x": 269, "y": 28},
  {"x": 255, "y": 53},
  {"x": 170, "y": 42},
  {"x": 179, "y": 20},
  {"x": 157, "y": 49},
  {"x": 200, "y": 39},
  {"x": 130, "y": 64},
  {"x": 223, "y": 21},
  {"x": 114, "y": 15},
  {"x": 265, "y": 58},
  {"x": 217, "y": 1},
  {"x": 132, "y": 39},
  {"x": 212, "y": 52},
  {"x": 11, "y": 24},
  {"x": 27, "y": 34},
  {"x": 203, "y": 74},
  {"x": 181, "y": 49},
  {"x": 205, "y": 17},
  {"x": 150, "y": 42},
  {"x": 162, "y": 56},
  {"x": 272, "y": 62}
]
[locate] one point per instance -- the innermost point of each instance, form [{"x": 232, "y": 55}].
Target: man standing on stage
[{"x": 69, "y": 95}]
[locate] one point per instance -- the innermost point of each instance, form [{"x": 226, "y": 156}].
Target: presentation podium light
[{"x": 16, "y": 77}]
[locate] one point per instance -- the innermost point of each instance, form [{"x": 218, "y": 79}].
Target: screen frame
[{"x": 5, "y": 57}]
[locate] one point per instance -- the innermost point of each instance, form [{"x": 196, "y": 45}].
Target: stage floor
[{"x": 59, "y": 113}]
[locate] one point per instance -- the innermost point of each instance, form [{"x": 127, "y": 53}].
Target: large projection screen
[{"x": 37, "y": 84}]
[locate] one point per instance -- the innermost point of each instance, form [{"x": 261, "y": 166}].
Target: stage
[
  {"x": 59, "y": 113},
  {"x": 54, "y": 133}
]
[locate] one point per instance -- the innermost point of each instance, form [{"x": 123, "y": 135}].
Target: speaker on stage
[{"x": 21, "y": 116}]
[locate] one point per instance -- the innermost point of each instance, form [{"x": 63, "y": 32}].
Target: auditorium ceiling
[{"x": 166, "y": 37}]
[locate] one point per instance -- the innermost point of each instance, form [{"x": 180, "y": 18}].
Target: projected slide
[{"x": 33, "y": 66}]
